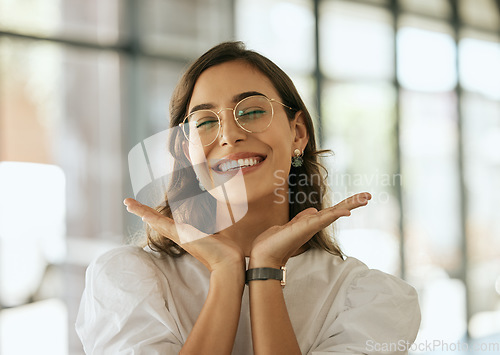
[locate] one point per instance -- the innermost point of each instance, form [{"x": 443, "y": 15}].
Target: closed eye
[
  {"x": 206, "y": 124},
  {"x": 250, "y": 113}
]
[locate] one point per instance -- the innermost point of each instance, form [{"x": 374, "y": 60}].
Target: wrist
[
  {"x": 259, "y": 262},
  {"x": 265, "y": 274},
  {"x": 230, "y": 274}
]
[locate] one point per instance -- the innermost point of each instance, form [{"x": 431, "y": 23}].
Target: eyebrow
[{"x": 236, "y": 98}]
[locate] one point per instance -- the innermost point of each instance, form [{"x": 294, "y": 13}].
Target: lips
[{"x": 237, "y": 161}]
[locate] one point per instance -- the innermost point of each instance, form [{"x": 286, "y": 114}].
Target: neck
[{"x": 259, "y": 216}]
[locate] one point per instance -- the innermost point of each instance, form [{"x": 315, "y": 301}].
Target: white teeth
[{"x": 234, "y": 164}]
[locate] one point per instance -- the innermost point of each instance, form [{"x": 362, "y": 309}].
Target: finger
[
  {"x": 328, "y": 216},
  {"x": 180, "y": 233},
  {"x": 309, "y": 223},
  {"x": 343, "y": 208},
  {"x": 308, "y": 211},
  {"x": 312, "y": 221},
  {"x": 354, "y": 201},
  {"x": 138, "y": 208},
  {"x": 160, "y": 223}
]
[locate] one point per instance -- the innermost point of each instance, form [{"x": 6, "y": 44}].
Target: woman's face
[{"x": 221, "y": 87}]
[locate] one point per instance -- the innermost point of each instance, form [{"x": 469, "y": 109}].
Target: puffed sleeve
[
  {"x": 381, "y": 315},
  {"x": 122, "y": 310}
]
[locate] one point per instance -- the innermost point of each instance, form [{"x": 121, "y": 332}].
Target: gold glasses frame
[{"x": 217, "y": 114}]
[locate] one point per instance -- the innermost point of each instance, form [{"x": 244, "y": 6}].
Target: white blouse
[{"x": 138, "y": 302}]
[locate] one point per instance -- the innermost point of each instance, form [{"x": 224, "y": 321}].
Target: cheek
[
  {"x": 279, "y": 132},
  {"x": 198, "y": 155},
  {"x": 281, "y": 158},
  {"x": 199, "y": 163}
]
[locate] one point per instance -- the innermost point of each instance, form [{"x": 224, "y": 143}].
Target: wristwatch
[{"x": 266, "y": 273}]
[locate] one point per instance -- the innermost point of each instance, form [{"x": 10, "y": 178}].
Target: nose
[{"x": 230, "y": 132}]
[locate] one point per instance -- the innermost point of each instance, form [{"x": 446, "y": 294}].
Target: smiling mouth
[{"x": 232, "y": 165}]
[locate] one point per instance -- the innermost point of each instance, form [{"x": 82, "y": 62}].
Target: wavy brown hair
[{"x": 184, "y": 176}]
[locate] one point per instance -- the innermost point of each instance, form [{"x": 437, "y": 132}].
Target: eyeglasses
[{"x": 253, "y": 114}]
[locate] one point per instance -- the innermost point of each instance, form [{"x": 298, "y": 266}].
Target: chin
[{"x": 234, "y": 194}]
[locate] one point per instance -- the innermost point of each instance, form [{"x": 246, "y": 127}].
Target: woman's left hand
[{"x": 277, "y": 244}]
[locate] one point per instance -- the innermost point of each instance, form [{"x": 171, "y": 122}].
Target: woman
[{"x": 242, "y": 118}]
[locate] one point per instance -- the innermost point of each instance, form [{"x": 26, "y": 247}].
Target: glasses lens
[
  {"x": 254, "y": 114},
  {"x": 201, "y": 127}
]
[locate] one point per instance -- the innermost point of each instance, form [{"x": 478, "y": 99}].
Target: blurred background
[{"x": 405, "y": 92}]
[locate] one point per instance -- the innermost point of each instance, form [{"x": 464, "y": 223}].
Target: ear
[{"x": 299, "y": 131}]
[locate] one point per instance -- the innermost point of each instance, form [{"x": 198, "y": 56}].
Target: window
[
  {"x": 408, "y": 95},
  {"x": 80, "y": 84}
]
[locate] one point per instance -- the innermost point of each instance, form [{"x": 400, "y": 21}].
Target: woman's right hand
[{"x": 214, "y": 251}]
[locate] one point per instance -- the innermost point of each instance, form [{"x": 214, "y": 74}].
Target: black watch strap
[{"x": 266, "y": 273}]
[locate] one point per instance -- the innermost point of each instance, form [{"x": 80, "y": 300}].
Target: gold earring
[{"x": 297, "y": 160}]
